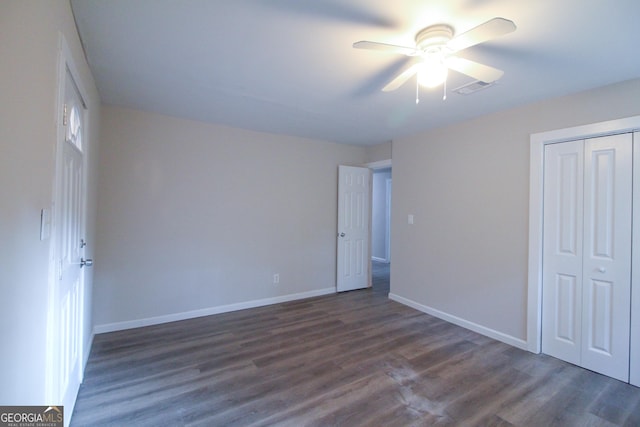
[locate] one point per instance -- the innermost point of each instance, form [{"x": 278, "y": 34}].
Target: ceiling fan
[{"x": 436, "y": 47}]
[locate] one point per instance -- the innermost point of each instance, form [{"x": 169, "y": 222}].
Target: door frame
[
  {"x": 65, "y": 63},
  {"x": 536, "y": 174},
  {"x": 381, "y": 164},
  {"x": 374, "y": 166},
  {"x": 387, "y": 219}
]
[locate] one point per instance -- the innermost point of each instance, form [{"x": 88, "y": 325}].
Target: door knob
[
  {"x": 86, "y": 262},
  {"x": 602, "y": 270},
  {"x": 341, "y": 234}
]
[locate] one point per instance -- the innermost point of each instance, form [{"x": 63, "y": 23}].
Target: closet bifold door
[
  {"x": 586, "y": 296},
  {"x": 606, "y": 303},
  {"x": 562, "y": 251}
]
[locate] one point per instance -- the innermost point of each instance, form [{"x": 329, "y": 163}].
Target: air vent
[{"x": 472, "y": 87}]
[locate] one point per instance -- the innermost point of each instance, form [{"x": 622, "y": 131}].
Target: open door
[
  {"x": 65, "y": 348},
  {"x": 354, "y": 209}
]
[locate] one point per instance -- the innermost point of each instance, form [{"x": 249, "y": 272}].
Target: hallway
[{"x": 380, "y": 275}]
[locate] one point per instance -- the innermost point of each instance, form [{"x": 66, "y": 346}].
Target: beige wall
[
  {"x": 194, "y": 216},
  {"x": 468, "y": 187},
  {"x": 29, "y": 37},
  {"x": 379, "y": 152}
]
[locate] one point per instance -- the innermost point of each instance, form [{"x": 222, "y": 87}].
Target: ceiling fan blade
[
  {"x": 391, "y": 48},
  {"x": 478, "y": 71},
  {"x": 401, "y": 78},
  {"x": 491, "y": 29}
]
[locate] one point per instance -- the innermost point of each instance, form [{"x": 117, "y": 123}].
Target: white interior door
[
  {"x": 354, "y": 209},
  {"x": 587, "y": 253},
  {"x": 67, "y": 298}
]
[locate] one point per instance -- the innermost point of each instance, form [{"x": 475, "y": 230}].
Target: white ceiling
[{"x": 288, "y": 66}]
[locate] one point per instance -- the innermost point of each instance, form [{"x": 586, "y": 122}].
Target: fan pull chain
[
  {"x": 417, "y": 92},
  {"x": 444, "y": 94}
]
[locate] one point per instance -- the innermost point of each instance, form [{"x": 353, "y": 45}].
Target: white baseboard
[
  {"x": 174, "y": 317},
  {"x": 491, "y": 333},
  {"x": 87, "y": 352}
]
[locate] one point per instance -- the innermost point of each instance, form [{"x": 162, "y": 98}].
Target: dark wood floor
[
  {"x": 351, "y": 359},
  {"x": 380, "y": 277}
]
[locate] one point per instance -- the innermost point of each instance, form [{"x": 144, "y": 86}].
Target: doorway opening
[{"x": 381, "y": 228}]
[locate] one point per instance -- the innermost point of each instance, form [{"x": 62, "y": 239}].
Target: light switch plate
[{"x": 410, "y": 219}]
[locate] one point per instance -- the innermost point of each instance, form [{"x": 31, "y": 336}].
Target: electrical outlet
[{"x": 276, "y": 278}]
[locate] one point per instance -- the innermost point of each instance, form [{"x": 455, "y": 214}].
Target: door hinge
[{"x": 64, "y": 115}]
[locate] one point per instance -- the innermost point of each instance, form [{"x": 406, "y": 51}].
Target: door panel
[
  {"x": 607, "y": 261},
  {"x": 70, "y": 275},
  {"x": 562, "y": 259},
  {"x": 565, "y": 308},
  {"x": 353, "y": 228},
  {"x": 599, "y": 316},
  {"x": 602, "y": 209}
]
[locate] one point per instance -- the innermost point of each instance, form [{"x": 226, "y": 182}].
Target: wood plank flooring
[
  {"x": 380, "y": 276},
  {"x": 351, "y": 359}
]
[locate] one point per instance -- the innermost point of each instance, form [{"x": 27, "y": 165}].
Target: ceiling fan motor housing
[{"x": 434, "y": 36}]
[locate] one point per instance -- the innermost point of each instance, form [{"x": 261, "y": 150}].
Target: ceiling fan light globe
[{"x": 432, "y": 75}]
